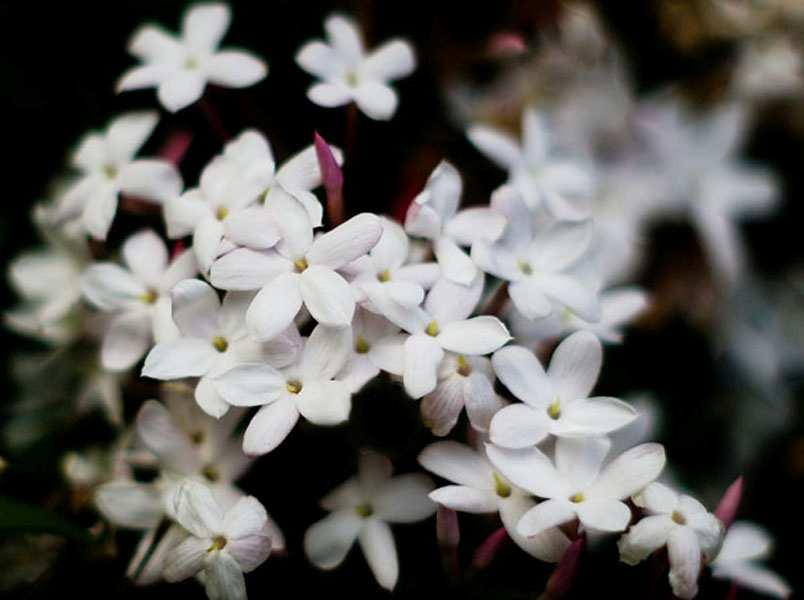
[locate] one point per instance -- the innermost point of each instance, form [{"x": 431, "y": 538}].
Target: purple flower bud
[
  {"x": 726, "y": 509},
  {"x": 332, "y": 178},
  {"x": 486, "y": 552}
]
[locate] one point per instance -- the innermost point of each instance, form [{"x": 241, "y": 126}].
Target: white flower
[
  {"x": 538, "y": 262},
  {"x": 442, "y": 325},
  {"x": 545, "y": 179},
  {"x": 705, "y": 181},
  {"x": 107, "y": 166},
  {"x": 743, "y": 547},
  {"x": 138, "y": 297},
  {"x": 463, "y": 382},
  {"x": 361, "y": 509},
  {"x": 618, "y": 307},
  {"x": 385, "y": 263},
  {"x": 769, "y": 68},
  {"x": 226, "y": 206},
  {"x": 361, "y": 366},
  {"x": 300, "y": 271},
  {"x": 180, "y": 67},
  {"x": 692, "y": 535},
  {"x": 480, "y": 489},
  {"x": 221, "y": 545},
  {"x": 306, "y": 387},
  {"x": 349, "y": 74},
  {"x": 213, "y": 340},
  {"x": 434, "y": 215},
  {"x": 556, "y": 402},
  {"x": 574, "y": 485}
]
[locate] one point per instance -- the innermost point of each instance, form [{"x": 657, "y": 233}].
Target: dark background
[{"x": 58, "y": 65}]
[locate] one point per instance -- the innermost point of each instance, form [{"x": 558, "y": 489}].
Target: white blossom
[
  {"x": 574, "y": 485},
  {"x": 692, "y": 535},
  {"x": 361, "y": 509},
  {"x": 137, "y": 296},
  {"x": 221, "y": 544},
  {"x": 107, "y": 166},
  {"x": 181, "y": 66},
  {"x": 557, "y": 401},
  {"x": 349, "y": 73}
]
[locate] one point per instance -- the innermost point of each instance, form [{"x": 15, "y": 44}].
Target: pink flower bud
[
  {"x": 332, "y": 178},
  {"x": 486, "y": 552},
  {"x": 726, "y": 509},
  {"x": 560, "y": 582}
]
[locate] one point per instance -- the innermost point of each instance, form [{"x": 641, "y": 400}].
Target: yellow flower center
[
  {"x": 577, "y": 498},
  {"x": 218, "y": 543},
  {"x": 110, "y": 171},
  {"x": 221, "y": 213},
  {"x": 300, "y": 264},
  {"x": 364, "y": 510},
  {"x": 679, "y": 518},
  {"x": 554, "y": 410},
  {"x": 464, "y": 368},
  {"x": 384, "y": 276},
  {"x": 294, "y": 387},
  {"x": 361, "y": 345},
  {"x": 432, "y": 329},
  {"x": 210, "y": 472},
  {"x": 525, "y": 267},
  {"x": 501, "y": 487},
  {"x": 219, "y": 343},
  {"x": 149, "y": 297}
]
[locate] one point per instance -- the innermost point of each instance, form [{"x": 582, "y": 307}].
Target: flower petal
[
  {"x": 327, "y": 542},
  {"x": 529, "y": 298},
  {"x": 377, "y": 100},
  {"x": 186, "y": 357},
  {"x": 274, "y": 307},
  {"x": 377, "y": 543},
  {"x": 629, "y": 472},
  {"x": 685, "y": 562},
  {"x": 326, "y": 352},
  {"x": 270, "y": 426},
  {"x": 458, "y": 463},
  {"x": 465, "y": 499},
  {"x": 159, "y": 433},
  {"x": 545, "y": 515},
  {"x": 441, "y": 408},
  {"x": 186, "y": 559},
  {"x": 223, "y": 579},
  {"x": 604, "y": 514},
  {"x": 579, "y": 459},
  {"x": 478, "y": 335},
  {"x": 146, "y": 256},
  {"x": 549, "y": 545},
  {"x": 497, "y": 146},
  {"x": 404, "y": 499},
  {"x": 569, "y": 292},
  {"x": 204, "y": 25},
  {"x": 455, "y": 263},
  {"x": 324, "y": 402},
  {"x": 519, "y": 426},
  {"x": 195, "y": 309},
  {"x": 130, "y": 504},
  {"x": 423, "y": 354},
  {"x": 150, "y": 179},
  {"x": 596, "y": 416},
  {"x": 575, "y": 365},
  {"x": 197, "y": 510},
  {"x": 327, "y": 296},
  {"x": 644, "y": 538},
  {"x": 128, "y": 132},
  {"x": 347, "y": 242},
  {"x": 235, "y": 68},
  {"x": 246, "y": 269},
  {"x": 530, "y": 469},
  {"x": 393, "y": 60},
  {"x": 180, "y": 90},
  {"x": 126, "y": 341},
  {"x": 329, "y": 95},
  {"x": 521, "y": 372},
  {"x": 252, "y": 384}
]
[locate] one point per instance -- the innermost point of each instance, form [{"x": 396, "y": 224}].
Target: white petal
[
  {"x": 130, "y": 504},
  {"x": 270, "y": 426},
  {"x": 535, "y": 135},
  {"x": 183, "y": 266},
  {"x": 530, "y": 469},
  {"x": 207, "y": 238},
  {"x": 208, "y": 399},
  {"x": 744, "y": 541},
  {"x": 253, "y": 227},
  {"x": 204, "y": 26},
  {"x": 549, "y": 545},
  {"x": 150, "y": 179},
  {"x": 246, "y": 269},
  {"x": 161, "y": 435},
  {"x": 144, "y": 76},
  {"x": 393, "y": 60},
  {"x": 325, "y": 352},
  {"x": 186, "y": 559},
  {"x": 569, "y": 292},
  {"x": 181, "y": 90},
  {"x": 235, "y": 68},
  {"x": 519, "y": 426},
  {"x": 195, "y": 309},
  {"x": 596, "y": 416},
  {"x": 629, "y": 472},
  {"x": 522, "y": 373},
  {"x": 557, "y": 248},
  {"x": 441, "y": 408},
  {"x": 389, "y": 354},
  {"x": 529, "y": 299},
  {"x": 250, "y": 551},
  {"x": 644, "y": 538},
  {"x": 274, "y": 307},
  {"x": 188, "y": 357},
  {"x": 546, "y": 515},
  {"x": 575, "y": 365},
  {"x": 478, "y": 335},
  {"x": 423, "y": 354},
  {"x": 327, "y": 542},
  {"x": 127, "y": 134},
  {"x": 152, "y": 44},
  {"x": 250, "y": 384},
  {"x": 302, "y": 171},
  {"x": 378, "y": 101},
  {"x": 657, "y": 498},
  {"x": 604, "y": 514},
  {"x": 329, "y": 95},
  {"x": 404, "y": 499},
  {"x": 499, "y": 147},
  {"x": 197, "y": 510},
  {"x": 347, "y": 242},
  {"x": 327, "y": 296},
  {"x": 579, "y": 459},
  {"x": 455, "y": 263},
  {"x": 378, "y": 547},
  {"x": 319, "y": 59},
  {"x": 470, "y": 224},
  {"x": 126, "y": 341},
  {"x": 449, "y": 301},
  {"x": 344, "y": 37},
  {"x": 247, "y": 517},
  {"x": 754, "y": 577},
  {"x": 465, "y": 499},
  {"x": 110, "y": 287},
  {"x": 481, "y": 401},
  {"x": 99, "y": 211},
  {"x": 685, "y": 562},
  {"x": 182, "y": 213},
  {"x": 146, "y": 255},
  {"x": 324, "y": 402},
  {"x": 458, "y": 463},
  {"x": 223, "y": 579}
]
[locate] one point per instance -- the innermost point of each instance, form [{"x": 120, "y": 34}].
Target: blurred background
[{"x": 723, "y": 379}]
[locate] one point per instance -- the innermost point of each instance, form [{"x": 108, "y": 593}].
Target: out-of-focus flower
[
  {"x": 434, "y": 215},
  {"x": 213, "y": 340},
  {"x": 221, "y": 544},
  {"x": 138, "y": 296},
  {"x": 361, "y": 509},
  {"x": 691, "y": 533},
  {"x": 574, "y": 485},
  {"x": 546, "y": 180},
  {"x": 349, "y": 74},
  {"x": 743, "y": 547},
  {"x": 302, "y": 271},
  {"x": 180, "y": 67},
  {"x": 480, "y": 489},
  {"x": 306, "y": 387},
  {"x": 107, "y": 167},
  {"x": 556, "y": 402},
  {"x": 769, "y": 68},
  {"x": 538, "y": 261}
]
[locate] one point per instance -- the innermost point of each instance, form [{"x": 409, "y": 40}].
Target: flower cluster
[{"x": 261, "y": 306}]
